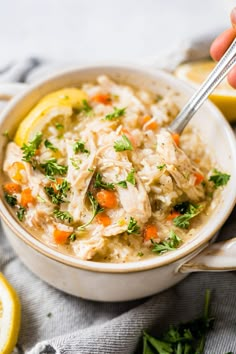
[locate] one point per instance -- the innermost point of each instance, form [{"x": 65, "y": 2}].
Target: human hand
[{"x": 221, "y": 44}]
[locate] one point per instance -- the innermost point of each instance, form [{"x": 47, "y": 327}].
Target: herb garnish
[
  {"x": 63, "y": 215},
  {"x": 140, "y": 254},
  {"x": 21, "y": 213},
  {"x": 30, "y": 149},
  {"x": 59, "y": 126},
  {"x": 99, "y": 183},
  {"x": 75, "y": 163},
  {"x": 79, "y": 146},
  {"x": 187, "y": 338},
  {"x": 10, "y": 199},
  {"x": 86, "y": 108},
  {"x": 96, "y": 210},
  {"x": 182, "y": 208},
  {"x": 123, "y": 144},
  {"x": 219, "y": 179},
  {"x": 72, "y": 237},
  {"x": 52, "y": 168},
  {"x": 160, "y": 167},
  {"x": 130, "y": 177},
  {"x": 133, "y": 227},
  {"x": 50, "y": 146},
  {"x": 172, "y": 242},
  {"x": 183, "y": 221},
  {"x": 6, "y": 134},
  {"x": 122, "y": 184},
  {"x": 117, "y": 113},
  {"x": 58, "y": 193}
]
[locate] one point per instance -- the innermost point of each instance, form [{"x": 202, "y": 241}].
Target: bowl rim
[{"x": 130, "y": 267}]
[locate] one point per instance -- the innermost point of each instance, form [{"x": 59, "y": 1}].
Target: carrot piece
[
  {"x": 104, "y": 219},
  {"x": 12, "y": 187},
  {"x": 198, "y": 178},
  {"x": 176, "y": 138},
  {"x": 107, "y": 199},
  {"x": 16, "y": 170},
  {"x": 26, "y": 197},
  {"x": 61, "y": 236},
  {"x": 103, "y": 98},
  {"x": 145, "y": 121},
  {"x": 129, "y": 136},
  {"x": 150, "y": 232},
  {"x": 173, "y": 215}
]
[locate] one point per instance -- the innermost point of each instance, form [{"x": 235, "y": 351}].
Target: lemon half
[
  {"x": 224, "y": 96},
  {"x": 9, "y": 316},
  {"x": 55, "y": 104}
]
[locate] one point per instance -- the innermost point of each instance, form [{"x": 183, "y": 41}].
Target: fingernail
[{"x": 233, "y": 17}]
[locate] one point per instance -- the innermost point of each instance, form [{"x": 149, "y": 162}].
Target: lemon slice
[
  {"x": 9, "y": 316},
  {"x": 224, "y": 96},
  {"x": 56, "y": 104}
]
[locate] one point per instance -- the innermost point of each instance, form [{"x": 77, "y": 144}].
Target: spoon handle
[{"x": 216, "y": 76}]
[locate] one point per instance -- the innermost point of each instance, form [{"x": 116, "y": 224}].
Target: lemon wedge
[
  {"x": 224, "y": 96},
  {"x": 9, "y": 316},
  {"x": 56, "y": 104}
]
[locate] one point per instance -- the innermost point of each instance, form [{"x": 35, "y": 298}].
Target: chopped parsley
[
  {"x": 123, "y": 144},
  {"x": 52, "y": 168},
  {"x": 183, "y": 221},
  {"x": 161, "y": 167},
  {"x": 72, "y": 237},
  {"x": 131, "y": 177},
  {"x": 79, "y": 146},
  {"x": 170, "y": 244},
  {"x": 50, "y": 146},
  {"x": 140, "y": 254},
  {"x": 86, "y": 108},
  {"x": 122, "y": 184},
  {"x": 58, "y": 193},
  {"x": 21, "y": 213},
  {"x": 30, "y": 149},
  {"x": 133, "y": 227},
  {"x": 219, "y": 179},
  {"x": 117, "y": 113},
  {"x": 90, "y": 169},
  {"x": 75, "y": 163},
  {"x": 6, "y": 134},
  {"x": 63, "y": 215},
  {"x": 96, "y": 209},
  {"x": 10, "y": 199},
  {"x": 185, "y": 338},
  {"x": 59, "y": 126},
  {"x": 99, "y": 183}
]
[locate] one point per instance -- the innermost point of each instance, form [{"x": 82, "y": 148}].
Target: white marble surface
[{"x": 81, "y": 30}]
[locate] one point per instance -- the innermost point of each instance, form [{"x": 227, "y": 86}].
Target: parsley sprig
[
  {"x": 96, "y": 209},
  {"x": 123, "y": 144},
  {"x": 133, "y": 227},
  {"x": 172, "y": 242},
  {"x": 117, "y": 113},
  {"x": 219, "y": 179},
  {"x": 186, "y": 338},
  {"x": 50, "y": 146},
  {"x": 79, "y": 146},
  {"x": 130, "y": 178},
  {"x": 183, "y": 221},
  {"x": 58, "y": 192},
  {"x": 99, "y": 183},
  {"x": 85, "y": 108},
  {"x": 52, "y": 168},
  {"x": 21, "y": 213},
  {"x": 63, "y": 215},
  {"x": 30, "y": 149},
  {"x": 10, "y": 199}
]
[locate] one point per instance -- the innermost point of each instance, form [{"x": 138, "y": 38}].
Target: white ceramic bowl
[{"x": 120, "y": 282}]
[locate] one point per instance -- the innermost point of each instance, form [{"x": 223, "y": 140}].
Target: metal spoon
[{"x": 216, "y": 76}]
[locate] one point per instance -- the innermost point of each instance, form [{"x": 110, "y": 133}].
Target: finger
[
  {"x": 233, "y": 17},
  {"x": 232, "y": 77},
  {"x": 221, "y": 43}
]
